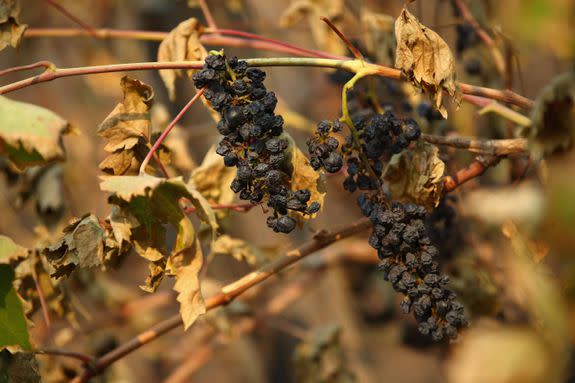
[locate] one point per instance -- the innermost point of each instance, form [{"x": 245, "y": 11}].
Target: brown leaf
[
  {"x": 416, "y": 175},
  {"x": 379, "y": 38},
  {"x": 11, "y": 31},
  {"x": 312, "y": 10},
  {"x": 212, "y": 178},
  {"x": 182, "y": 43},
  {"x": 425, "y": 58},
  {"x": 185, "y": 263},
  {"x": 127, "y": 129},
  {"x": 304, "y": 177},
  {"x": 553, "y": 117}
]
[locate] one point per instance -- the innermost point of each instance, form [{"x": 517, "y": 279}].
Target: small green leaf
[
  {"x": 13, "y": 328},
  {"x": 30, "y": 135}
]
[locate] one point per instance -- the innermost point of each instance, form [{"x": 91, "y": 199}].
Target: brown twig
[
  {"x": 40, "y": 64},
  {"x": 228, "y": 293},
  {"x": 239, "y": 207},
  {"x": 70, "y": 16},
  {"x": 475, "y": 169},
  {"x": 356, "y": 53},
  {"x": 87, "y": 359},
  {"x": 476, "y": 145},
  {"x": 43, "y": 304},
  {"x": 207, "y": 14}
]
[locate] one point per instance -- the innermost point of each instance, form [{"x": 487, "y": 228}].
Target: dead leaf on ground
[
  {"x": 312, "y": 10},
  {"x": 425, "y": 58},
  {"x": 30, "y": 135},
  {"x": 416, "y": 175},
  {"x": 181, "y": 44},
  {"x": 11, "y": 31}
]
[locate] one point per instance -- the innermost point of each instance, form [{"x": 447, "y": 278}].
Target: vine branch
[{"x": 492, "y": 147}]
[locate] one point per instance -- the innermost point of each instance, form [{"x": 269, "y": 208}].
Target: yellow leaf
[
  {"x": 416, "y": 175},
  {"x": 11, "y": 31},
  {"x": 182, "y": 43},
  {"x": 212, "y": 178},
  {"x": 425, "y": 58}
]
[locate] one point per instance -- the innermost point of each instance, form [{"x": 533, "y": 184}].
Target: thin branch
[
  {"x": 476, "y": 145},
  {"x": 39, "y": 64},
  {"x": 239, "y": 207},
  {"x": 349, "y": 65},
  {"x": 166, "y": 131},
  {"x": 228, "y": 293},
  {"x": 475, "y": 169},
  {"x": 356, "y": 53},
  {"x": 207, "y": 14},
  {"x": 70, "y": 16},
  {"x": 43, "y": 304},
  {"x": 87, "y": 359},
  {"x": 100, "y": 33}
]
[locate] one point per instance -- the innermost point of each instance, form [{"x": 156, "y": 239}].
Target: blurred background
[{"x": 506, "y": 238}]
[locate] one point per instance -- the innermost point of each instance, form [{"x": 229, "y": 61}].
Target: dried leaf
[
  {"x": 13, "y": 327},
  {"x": 186, "y": 263},
  {"x": 425, "y": 58},
  {"x": 86, "y": 243},
  {"x": 304, "y": 177},
  {"x": 30, "y": 135},
  {"x": 181, "y": 44},
  {"x": 312, "y": 10},
  {"x": 11, "y": 31},
  {"x": 379, "y": 38},
  {"x": 127, "y": 129},
  {"x": 148, "y": 203},
  {"x": 212, "y": 178},
  {"x": 416, "y": 175},
  {"x": 238, "y": 249},
  {"x": 553, "y": 117}
]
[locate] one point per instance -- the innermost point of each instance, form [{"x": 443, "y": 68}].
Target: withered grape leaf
[
  {"x": 553, "y": 117},
  {"x": 304, "y": 177},
  {"x": 11, "y": 31},
  {"x": 212, "y": 178},
  {"x": 425, "y": 58},
  {"x": 182, "y": 43},
  {"x": 30, "y": 135},
  {"x": 13, "y": 327},
  {"x": 312, "y": 10},
  {"x": 87, "y": 242},
  {"x": 185, "y": 263},
  {"x": 238, "y": 249},
  {"x": 127, "y": 129},
  {"x": 416, "y": 175}
]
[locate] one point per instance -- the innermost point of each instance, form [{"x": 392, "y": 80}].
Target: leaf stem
[{"x": 168, "y": 129}]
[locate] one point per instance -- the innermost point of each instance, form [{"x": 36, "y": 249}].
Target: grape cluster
[
  {"x": 380, "y": 136},
  {"x": 408, "y": 262},
  {"x": 322, "y": 147},
  {"x": 253, "y": 140}
]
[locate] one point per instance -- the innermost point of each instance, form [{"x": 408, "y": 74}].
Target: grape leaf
[
  {"x": 553, "y": 117},
  {"x": 87, "y": 242},
  {"x": 312, "y": 10},
  {"x": 13, "y": 327},
  {"x": 238, "y": 249},
  {"x": 212, "y": 179},
  {"x": 416, "y": 175},
  {"x": 425, "y": 58},
  {"x": 378, "y": 31},
  {"x": 30, "y": 135},
  {"x": 182, "y": 43},
  {"x": 10, "y": 251},
  {"x": 11, "y": 31},
  {"x": 127, "y": 129}
]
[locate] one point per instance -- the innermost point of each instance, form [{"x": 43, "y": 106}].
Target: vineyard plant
[{"x": 306, "y": 191}]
